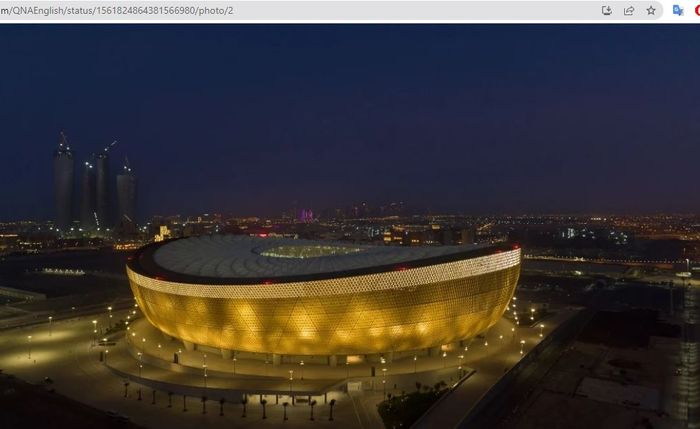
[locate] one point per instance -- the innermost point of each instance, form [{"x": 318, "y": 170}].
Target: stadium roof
[{"x": 224, "y": 259}]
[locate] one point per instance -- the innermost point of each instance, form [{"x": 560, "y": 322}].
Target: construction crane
[
  {"x": 64, "y": 141},
  {"x": 106, "y": 150},
  {"x": 109, "y": 146}
]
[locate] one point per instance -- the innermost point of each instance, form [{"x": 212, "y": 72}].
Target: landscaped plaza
[{"x": 69, "y": 352}]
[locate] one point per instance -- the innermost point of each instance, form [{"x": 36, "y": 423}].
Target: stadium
[{"x": 289, "y": 297}]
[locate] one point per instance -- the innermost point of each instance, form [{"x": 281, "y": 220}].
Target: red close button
[{"x": 697, "y": 10}]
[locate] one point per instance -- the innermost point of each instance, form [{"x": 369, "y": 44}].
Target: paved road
[
  {"x": 452, "y": 409},
  {"x": 498, "y": 412}
]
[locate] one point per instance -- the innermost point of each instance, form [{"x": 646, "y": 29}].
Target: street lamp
[
  {"x": 204, "y": 366},
  {"x": 291, "y": 378},
  {"x": 347, "y": 369},
  {"x": 541, "y": 328},
  {"x": 106, "y": 353},
  {"x": 50, "y": 324},
  {"x": 415, "y": 363},
  {"x": 384, "y": 381},
  {"x": 140, "y": 355},
  {"x": 94, "y": 332},
  {"x": 301, "y": 364},
  {"x": 109, "y": 309},
  {"x": 159, "y": 347},
  {"x": 522, "y": 344},
  {"x": 444, "y": 362},
  {"x": 29, "y": 342},
  {"x": 532, "y": 314},
  {"x": 234, "y": 365}
]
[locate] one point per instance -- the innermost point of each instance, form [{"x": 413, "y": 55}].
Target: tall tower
[
  {"x": 87, "y": 198},
  {"x": 102, "y": 187},
  {"x": 63, "y": 176},
  {"x": 126, "y": 198}
]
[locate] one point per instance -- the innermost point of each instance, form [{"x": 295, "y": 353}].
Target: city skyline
[{"x": 452, "y": 119}]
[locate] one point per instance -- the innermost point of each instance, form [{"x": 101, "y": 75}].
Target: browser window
[{"x": 349, "y": 214}]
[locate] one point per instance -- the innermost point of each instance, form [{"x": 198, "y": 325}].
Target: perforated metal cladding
[{"x": 393, "y": 311}]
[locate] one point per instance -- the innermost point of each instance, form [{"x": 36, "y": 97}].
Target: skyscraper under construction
[
  {"x": 102, "y": 187},
  {"x": 126, "y": 198},
  {"x": 87, "y": 199},
  {"x": 63, "y": 175}
]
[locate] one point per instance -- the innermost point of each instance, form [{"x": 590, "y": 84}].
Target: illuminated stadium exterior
[{"x": 299, "y": 297}]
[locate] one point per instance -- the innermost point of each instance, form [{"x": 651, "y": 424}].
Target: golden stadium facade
[{"x": 300, "y": 297}]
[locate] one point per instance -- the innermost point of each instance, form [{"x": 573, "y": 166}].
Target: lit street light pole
[
  {"x": 50, "y": 325},
  {"x": 109, "y": 309},
  {"x": 522, "y": 344},
  {"x": 541, "y": 329},
  {"x": 204, "y": 366},
  {"x": 384, "y": 381},
  {"x": 140, "y": 355},
  {"x": 29, "y": 342},
  {"x": 301, "y": 364},
  {"x": 94, "y": 333}
]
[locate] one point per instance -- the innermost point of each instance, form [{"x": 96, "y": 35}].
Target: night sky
[{"x": 471, "y": 119}]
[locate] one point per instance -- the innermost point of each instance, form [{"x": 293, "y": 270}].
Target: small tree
[
  {"x": 332, "y": 404},
  {"x": 263, "y": 402},
  {"x": 312, "y": 404},
  {"x": 244, "y": 402},
  {"x": 204, "y": 404},
  {"x": 285, "y": 405}
]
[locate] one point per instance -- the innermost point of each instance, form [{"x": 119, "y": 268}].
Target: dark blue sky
[{"x": 247, "y": 119}]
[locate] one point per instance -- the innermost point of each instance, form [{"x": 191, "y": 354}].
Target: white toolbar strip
[{"x": 331, "y": 11}]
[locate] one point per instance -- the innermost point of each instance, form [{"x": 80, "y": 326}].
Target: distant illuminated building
[
  {"x": 163, "y": 234},
  {"x": 63, "y": 175},
  {"x": 306, "y": 216}
]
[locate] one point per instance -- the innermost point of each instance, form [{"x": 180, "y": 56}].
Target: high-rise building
[
  {"x": 126, "y": 197},
  {"x": 87, "y": 197},
  {"x": 102, "y": 187},
  {"x": 63, "y": 175}
]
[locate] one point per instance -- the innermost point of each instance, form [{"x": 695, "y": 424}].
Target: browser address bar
[{"x": 329, "y": 11}]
